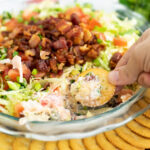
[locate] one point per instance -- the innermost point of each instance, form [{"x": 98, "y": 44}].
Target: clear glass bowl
[{"x": 58, "y": 130}]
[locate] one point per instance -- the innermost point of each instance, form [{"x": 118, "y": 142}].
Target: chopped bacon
[
  {"x": 51, "y": 44},
  {"x": 34, "y": 41},
  {"x": 60, "y": 44},
  {"x": 53, "y": 65},
  {"x": 63, "y": 26},
  {"x": 26, "y": 72}
]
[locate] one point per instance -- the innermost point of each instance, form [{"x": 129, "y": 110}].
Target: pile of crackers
[{"x": 135, "y": 135}]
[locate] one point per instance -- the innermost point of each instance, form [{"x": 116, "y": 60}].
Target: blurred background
[{"x": 140, "y": 6}]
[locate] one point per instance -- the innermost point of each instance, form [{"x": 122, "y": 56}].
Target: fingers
[
  {"x": 124, "y": 59},
  {"x": 128, "y": 73},
  {"x": 144, "y": 79}
]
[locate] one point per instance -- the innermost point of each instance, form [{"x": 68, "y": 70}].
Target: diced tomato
[
  {"x": 92, "y": 23},
  {"x": 1, "y": 37},
  {"x": 35, "y": 1},
  {"x": 13, "y": 74},
  {"x": 119, "y": 41},
  {"x": 18, "y": 109},
  {"x": 56, "y": 89},
  {"x": 102, "y": 36},
  {"x": 44, "y": 102},
  {"x": 27, "y": 15},
  {"x": 11, "y": 24}
]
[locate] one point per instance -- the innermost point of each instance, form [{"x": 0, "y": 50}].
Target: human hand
[{"x": 135, "y": 64}]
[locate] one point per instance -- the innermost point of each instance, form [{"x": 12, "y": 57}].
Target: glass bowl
[{"x": 58, "y": 130}]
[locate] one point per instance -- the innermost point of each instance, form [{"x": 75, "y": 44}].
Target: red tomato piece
[
  {"x": 119, "y": 41},
  {"x": 44, "y": 102},
  {"x": 27, "y": 15},
  {"x": 13, "y": 74},
  {"x": 11, "y": 24},
  {"x": 18, "y": 109},
  {"x": 1, "y": 37},
  {"x": 92, "y": 23}
]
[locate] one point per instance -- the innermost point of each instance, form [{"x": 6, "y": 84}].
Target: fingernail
[{"x": 113, "y": 77}]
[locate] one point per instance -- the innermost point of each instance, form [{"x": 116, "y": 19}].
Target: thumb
[
  {"x": 126, "y": 74},
  {"x": 144, "y": 79}
]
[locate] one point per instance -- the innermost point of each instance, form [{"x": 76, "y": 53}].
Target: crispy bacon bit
[
  {"x": 46, "y": 43},
  {"x": 60, "y": 66},
  {"x": 34, "y": 41},
  {"x": 26, "y": 72},
  {"x": 42, "y": 66},
  {"x": 92, "y": 54},
  {"x": 44, "y": 55},
  {"x": 3, "y": 67},
  {"x": 60, "y": 44},
  {"x": 60, "y": 55},
  {"x": 30, "y": 52},
  {"x": 53, "y": 65},
  {"x": 15, "y": 32},
  {"x": 40, "y": 74},
  {"x": 75, "y": 19},
  {"x": 87, "y": 35},
  {"x": 63, "y": 26},
  {"x": 114, "y": 60},
  {"x": 71, "y": 59},
  {"x": 84, "y": 49},
  {"x": 76, "y": 34}
]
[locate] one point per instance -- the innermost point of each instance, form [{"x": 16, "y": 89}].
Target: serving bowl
[{"x": 58, "y": 130}]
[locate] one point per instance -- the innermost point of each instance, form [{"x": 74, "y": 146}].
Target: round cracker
[
  {"x": 139, "y": 129},
  {"x": 37, "y": 145},
  {"x": 63, "y": 145},
  {"x": 90, "y": 143},
  {"x": 7, "y": 138},
  {"x": 76, "y": 144},
  {"x": 147, "y": 99},
  {"x": 147, "y": 93},
  {"x": 117, "y": 141},
  {"x": 132, "y": 138},
  {"x": 6, "y": 142},
  {"x": 107, "y": 90},
  {"x": 51, "y": 145},
  {"x": 143, "y": 104},
  {"x": 21, "y": 144},
  {"x": 143, "y": 120},
  {"x": 104, "y": 143}
]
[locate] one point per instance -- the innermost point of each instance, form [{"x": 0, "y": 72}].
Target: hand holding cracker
[{"x": 135, "y": 64}]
